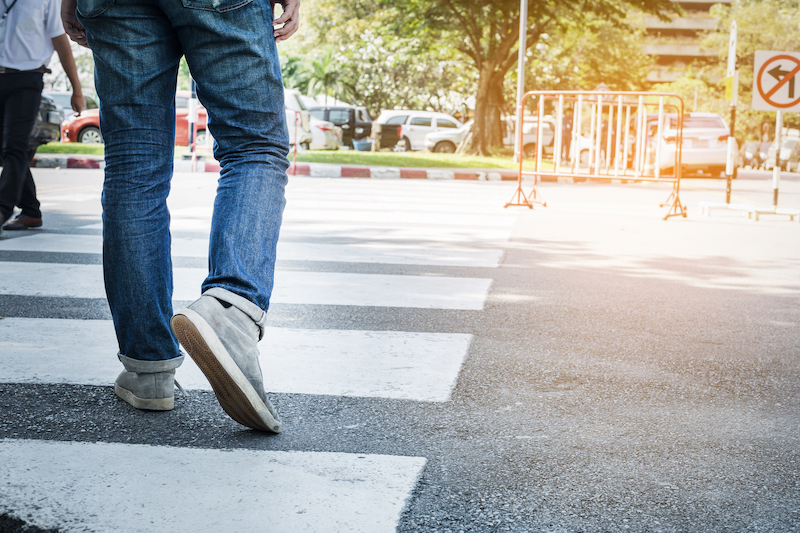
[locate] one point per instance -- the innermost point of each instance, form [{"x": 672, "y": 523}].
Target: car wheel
[
  {"x": 306, "y": 146},
  {"x": 90, "y": 135},
  {"x": 407, "y": 144},
  {"x": 202, "y": 138},
  {"x": 445, "y": 147},
  {"x": 584, "y": 157},
  {"x": 529, "y": 150}
]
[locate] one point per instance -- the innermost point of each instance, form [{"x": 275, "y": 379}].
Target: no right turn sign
[{"x": 775, "y": 81}]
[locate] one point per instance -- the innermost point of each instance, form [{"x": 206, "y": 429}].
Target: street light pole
[{"x": 523, "y": 37}]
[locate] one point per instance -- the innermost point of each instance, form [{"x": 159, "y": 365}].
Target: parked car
[
  {"x": 391, "y": 133},
  {"x": 46, "y": 127},
  {"x": 447, "y": 140},
  {"x": 413, "y": 126},
  {"x": 355, "y": 122},
  {"x": 63, "y": 99},
  {"x": 749, "y": 154},
  {"x": 298, "y": 119},
  {"x": 789, "y": 156},
  {"x": 704, "y": 150},
  {"x": 86, "y": 127},
  {"x": 325, "y": 135}
]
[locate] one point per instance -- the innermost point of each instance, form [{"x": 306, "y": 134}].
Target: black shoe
[{"x": 23, "y": 222}]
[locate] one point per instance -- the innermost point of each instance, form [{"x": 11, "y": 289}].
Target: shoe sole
[
  {"x": 21, "y": 228},
  {"x": 147, "y": 404},
  {"x": 234, "y": 392}
]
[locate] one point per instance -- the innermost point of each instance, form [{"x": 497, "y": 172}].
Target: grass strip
[{"x": 501, "y": 160}]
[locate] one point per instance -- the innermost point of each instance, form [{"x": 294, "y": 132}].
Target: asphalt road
[{"x": 621, "y": 372}]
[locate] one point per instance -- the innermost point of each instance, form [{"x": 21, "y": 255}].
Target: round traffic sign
[{"x": 783, "y": 77}]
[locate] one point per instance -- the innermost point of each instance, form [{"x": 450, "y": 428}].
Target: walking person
[
  {"x": 30, "y": 30},
  {"x": 230, "y": 47}
]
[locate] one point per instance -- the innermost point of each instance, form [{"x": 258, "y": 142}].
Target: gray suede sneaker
[
  {"x": 220, "y": 331},
  {"x": 148, "y": 385}
]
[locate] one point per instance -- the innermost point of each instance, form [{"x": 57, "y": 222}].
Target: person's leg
[
  {"x": 31, "y": 215},
  {"x": 21, "y": 96},
  {"x": 234, "y": 60},
  {"x": 232, "y": 54},
  {"x": 28, "y": 202},
  {"x": 136, "y": 61}
]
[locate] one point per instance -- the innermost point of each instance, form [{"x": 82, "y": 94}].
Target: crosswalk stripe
[
  {"x": 369, "y": 364},
  {"x": 136, "y": 488},
  {"x": 287, "y": 250},
  {"x": 299, "y": 230},
  {"x": 181, "y": 220},
  {"x": 315, "y": 230},
  {"x": 291, "y": 287}
]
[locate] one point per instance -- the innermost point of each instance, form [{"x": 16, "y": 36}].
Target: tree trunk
[{"x": 489, "y": 101}]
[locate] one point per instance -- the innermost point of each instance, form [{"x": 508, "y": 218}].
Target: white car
[
  {"x": 413, "y": 126},
  {"x": 325, "y": 135},
  {"x": 298, "y": 121},
  {"x": 704, "y": 150},
  {"x": 448, "y": 140}
]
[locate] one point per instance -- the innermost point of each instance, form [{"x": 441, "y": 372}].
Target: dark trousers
[{"x": 20, "y": 98}]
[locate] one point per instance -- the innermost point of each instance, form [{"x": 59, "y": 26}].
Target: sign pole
[
  {"x": 775, "y": 75},
  {"x": 776, "y": 170},
  {"x": 731, "y": 94}
]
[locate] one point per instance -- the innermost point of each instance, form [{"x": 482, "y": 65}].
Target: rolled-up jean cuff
[{"x": 149, "y": 367}]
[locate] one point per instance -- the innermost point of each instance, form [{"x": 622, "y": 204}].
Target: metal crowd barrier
[{"x": 609, "y": 117}]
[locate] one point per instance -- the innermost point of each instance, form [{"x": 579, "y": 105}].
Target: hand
[
  {"x": 78, "y": 102},
  {"x": 72, "y": 26},
  {"x": 290, "y": 19}
]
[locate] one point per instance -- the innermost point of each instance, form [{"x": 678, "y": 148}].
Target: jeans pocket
[
  {"x": 93, "y": 8},
  {"x": 219, "y": 6}
]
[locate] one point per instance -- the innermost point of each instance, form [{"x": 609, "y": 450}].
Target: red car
[{"x": 86, "y": 127}]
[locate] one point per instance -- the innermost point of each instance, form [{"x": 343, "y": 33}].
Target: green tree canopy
[{"x": 487, "y": 33}]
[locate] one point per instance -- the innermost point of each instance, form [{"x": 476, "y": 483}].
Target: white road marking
[
  {"x": 287, "y": 250},
  {"x": 199, "y": 219},
  {"x": 104, "y": 487},
  {"x": 291, "y": 287},
  {"x": 370, "y": 364},
  {"x": 298, "y": 230}
]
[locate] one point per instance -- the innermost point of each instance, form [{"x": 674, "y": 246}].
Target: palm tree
[{"x": 323, "y": 75}]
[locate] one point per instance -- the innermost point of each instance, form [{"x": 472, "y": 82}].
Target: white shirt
[{"x": 26, "y": 36}]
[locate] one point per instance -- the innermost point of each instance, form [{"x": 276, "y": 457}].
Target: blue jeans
[{"x": 229, "y": 47}]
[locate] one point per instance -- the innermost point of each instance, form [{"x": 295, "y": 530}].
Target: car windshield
[
  {"x": 61, "y": 99},
  {"x": 363, "y": 115}
]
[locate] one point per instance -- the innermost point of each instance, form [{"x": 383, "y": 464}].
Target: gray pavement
[{"x": 624, "y": 373}]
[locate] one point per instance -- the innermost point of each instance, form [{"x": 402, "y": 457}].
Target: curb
[
  {"x": 67, "y": 161},
  {"x": 320, "y": 170},
  {"x": 323, "y": 170}
]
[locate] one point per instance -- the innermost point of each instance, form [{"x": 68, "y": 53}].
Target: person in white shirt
[{"x": 30, "y": 30}]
